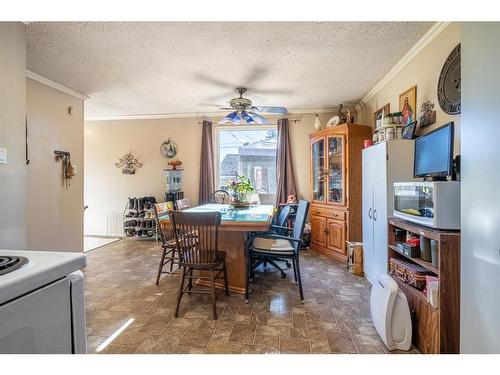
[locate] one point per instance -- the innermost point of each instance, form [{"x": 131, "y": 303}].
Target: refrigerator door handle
[
  {"x": 375, "y": 215},
  {"x": 370, "y": 213}
]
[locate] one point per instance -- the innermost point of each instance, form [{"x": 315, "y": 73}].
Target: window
[{"x": 248, "y": 151}]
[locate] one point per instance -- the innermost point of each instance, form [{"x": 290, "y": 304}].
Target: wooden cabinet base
[
  {"x": 435, "y": 330},
  {"x": 328, "y": 253}
]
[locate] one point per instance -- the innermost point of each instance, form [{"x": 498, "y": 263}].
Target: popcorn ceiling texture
[{"x": 131, "y": 68}]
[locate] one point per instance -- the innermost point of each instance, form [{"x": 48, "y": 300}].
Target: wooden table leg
[{"x": 233, "y": 243}]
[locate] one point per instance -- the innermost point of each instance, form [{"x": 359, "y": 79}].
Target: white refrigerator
[
  {"x": 383, "y": 164},
  {"x": 480, "y": 132}
]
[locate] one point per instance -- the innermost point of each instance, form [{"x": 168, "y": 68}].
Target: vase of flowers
[{"x": 241, "y": 191}]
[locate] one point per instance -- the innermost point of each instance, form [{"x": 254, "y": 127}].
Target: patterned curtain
[
  {"x": 207, "y": 177},
  {"x": 284, "y": 167}
]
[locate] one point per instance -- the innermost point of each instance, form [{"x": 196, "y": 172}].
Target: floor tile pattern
[{"x": 120, "y": 285}]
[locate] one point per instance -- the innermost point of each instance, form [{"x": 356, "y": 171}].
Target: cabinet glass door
[
  {"x": 318, "y": 170},
  {"x": 336, "y": 169}
]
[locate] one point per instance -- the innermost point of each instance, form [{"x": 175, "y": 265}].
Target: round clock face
[{"x": 449, "y": 84}]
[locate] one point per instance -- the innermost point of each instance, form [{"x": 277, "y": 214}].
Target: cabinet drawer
[{"x": 328, "y": 213}]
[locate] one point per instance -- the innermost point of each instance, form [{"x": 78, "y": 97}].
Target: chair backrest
[
  {"x": 220, "y": 197},
  {"x": 300, "y": 222},
  {"x": 196, "y": 236},
  {"x": 182, "y": 204},
  {"x": 166, "y": 232},
  {"x": 282, "y": 217}
]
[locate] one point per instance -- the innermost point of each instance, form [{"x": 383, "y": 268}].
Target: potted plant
[{"x": 241, "y": 191}]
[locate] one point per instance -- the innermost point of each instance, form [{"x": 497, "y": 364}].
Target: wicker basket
[{"x": 408, "y": 272}]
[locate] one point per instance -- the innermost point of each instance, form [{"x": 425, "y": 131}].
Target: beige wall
[
  {"x": 423, "y": 70},
  {"x": 12, "y": 135},
  {"x": 107, "y": 189},
  {"x": 55, "y": 213}
]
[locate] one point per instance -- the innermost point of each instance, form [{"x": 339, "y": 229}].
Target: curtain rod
[{"x": 272, "y": 123}]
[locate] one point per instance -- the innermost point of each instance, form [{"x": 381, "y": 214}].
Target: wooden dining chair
[
  {"x": 182, "y": 204},
  {"x": 168, "y": 256},
  {"x": 196, "y": 235},
  {"x": 277, "y": 247}
]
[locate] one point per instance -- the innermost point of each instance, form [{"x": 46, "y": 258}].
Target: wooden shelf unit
[
  {"x": 335, "y": 179},
  {"x": 435, "y": 330}
]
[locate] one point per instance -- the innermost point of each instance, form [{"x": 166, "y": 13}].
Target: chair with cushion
[
  {"x": 167, "y": 238},
  {"x": 196, "y": 236},
  {"x": 279, "y": 226},
  {"x": 220, "y": 197},
  {"x": 278, "y": 247}
]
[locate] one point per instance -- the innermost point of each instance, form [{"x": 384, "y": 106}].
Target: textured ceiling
[{"x": 132, "y": 68}]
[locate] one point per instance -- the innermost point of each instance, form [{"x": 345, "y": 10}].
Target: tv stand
[{"x": 435, "y": 178}]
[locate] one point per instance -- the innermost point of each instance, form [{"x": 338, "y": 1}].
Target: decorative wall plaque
[{"x": 129, "y": 163}]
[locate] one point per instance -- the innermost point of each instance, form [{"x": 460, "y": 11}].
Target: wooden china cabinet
[{"x": 336, "y": 188}]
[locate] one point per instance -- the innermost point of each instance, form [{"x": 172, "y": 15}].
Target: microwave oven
[{"x": 433, "y": 204}]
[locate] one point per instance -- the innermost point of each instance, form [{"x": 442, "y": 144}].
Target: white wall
[
  {"x": 107, "y": 189},
  {"x": 55, "y": 212},
  {"x": 423, "y": 71},
  {"x": 480, "y": 281},
  {"x": 12, "y": 135}
]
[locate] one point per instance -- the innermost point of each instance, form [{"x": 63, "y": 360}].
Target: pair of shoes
[{"x": 130, "y": 223}]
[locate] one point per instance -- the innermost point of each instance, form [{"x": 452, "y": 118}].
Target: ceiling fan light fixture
[
  {"x": 232, "y": 117},
  {"x": 247, "y": 117}
]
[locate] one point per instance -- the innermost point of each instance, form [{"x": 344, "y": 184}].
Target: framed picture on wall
[
  {"x": 408, "y": 104},
  {"x": 386, "y": 108}
]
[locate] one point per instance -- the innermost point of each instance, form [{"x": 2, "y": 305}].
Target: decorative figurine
[
  {"x": 350, "y": 117},
  {"x": 342, "y": 115},
  {"x": 317, "y": 123}
]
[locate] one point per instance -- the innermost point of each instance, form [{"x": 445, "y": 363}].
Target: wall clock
[
  {"x": 168, "y": 149},
  {"x": 449, "y": 84}
]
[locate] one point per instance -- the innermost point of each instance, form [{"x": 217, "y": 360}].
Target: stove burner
[{"x": 11, "y": 263}]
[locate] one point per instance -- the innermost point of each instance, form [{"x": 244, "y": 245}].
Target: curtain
[
  {"x": 207, "y": 178},
  {"x": 284, "y": 167}
]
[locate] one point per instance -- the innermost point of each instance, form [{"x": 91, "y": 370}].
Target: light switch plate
[{"x": 3, "y": 155}]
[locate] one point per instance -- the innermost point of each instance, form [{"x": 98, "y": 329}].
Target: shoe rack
[{"x": 139, "y": 219}]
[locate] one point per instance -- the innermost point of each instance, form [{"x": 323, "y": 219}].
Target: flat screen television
[{"x": 434, "y": 153}]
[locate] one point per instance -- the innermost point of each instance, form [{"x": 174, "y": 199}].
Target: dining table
[{"x": 236, "y": 223}]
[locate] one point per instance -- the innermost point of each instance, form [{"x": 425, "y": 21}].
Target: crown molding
[
  {"x": 158, "y": 116},
  {"x": 55, "y": 85},
  {"x": 423, "y": 42}
]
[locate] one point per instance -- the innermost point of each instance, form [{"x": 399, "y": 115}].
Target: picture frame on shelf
[
  {"x": 408, "y": 104},
  {"x": 386, "y": 109},
  {"x": 409, "y": 130}
]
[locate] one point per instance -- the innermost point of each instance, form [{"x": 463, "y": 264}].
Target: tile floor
[{"x": 120, "y": 278}]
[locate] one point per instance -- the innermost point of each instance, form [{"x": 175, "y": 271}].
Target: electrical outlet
[{"x": 3, "y": 155}]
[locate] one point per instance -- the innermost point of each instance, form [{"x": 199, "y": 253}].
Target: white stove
[{"x": 42, "y": 307}]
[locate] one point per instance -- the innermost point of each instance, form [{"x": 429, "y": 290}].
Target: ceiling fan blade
[
  {"x": 256, "y": 74},
  {"x": 214, "y": 81},
  {"x": 213, "y": 105},
  {"x": 259, "y": 119},
  {"x": 276, "y": 91},
  {"x": 269, "y": 109}
]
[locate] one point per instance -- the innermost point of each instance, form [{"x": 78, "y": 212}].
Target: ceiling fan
[{"x": 243, "y": 112}]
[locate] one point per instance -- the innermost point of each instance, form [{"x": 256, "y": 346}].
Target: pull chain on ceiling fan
[{"x": 245, "y": 113}]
